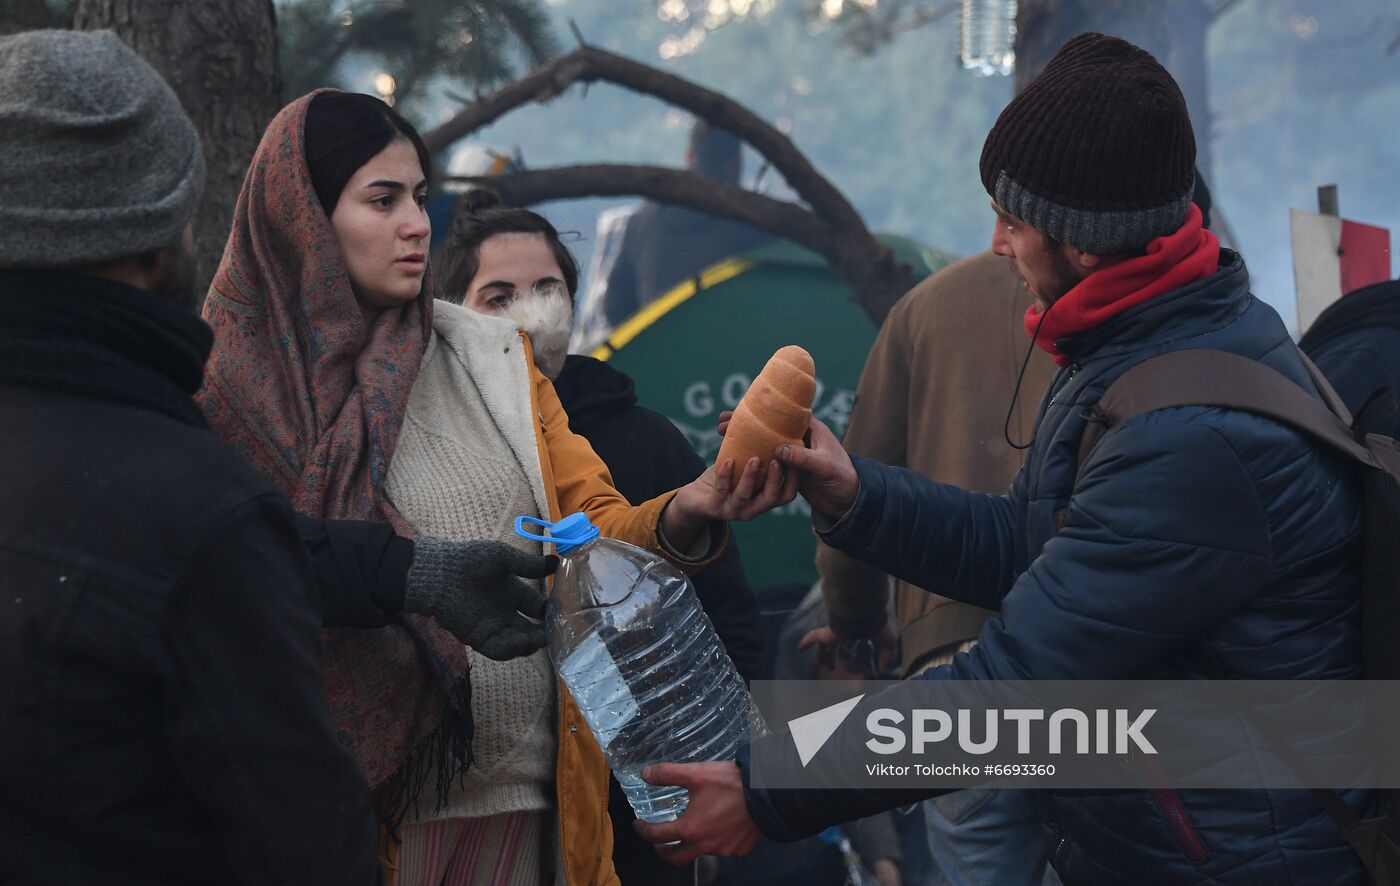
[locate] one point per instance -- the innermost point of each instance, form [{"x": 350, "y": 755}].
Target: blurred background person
[
  {"x": 1356, "y": 344},
  {"x": 664, "y": 243}
]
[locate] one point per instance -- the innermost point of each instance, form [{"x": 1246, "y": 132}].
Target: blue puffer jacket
[
  {"x": 1356, "y": 344},
  {"x": 1189, "y": 526}
]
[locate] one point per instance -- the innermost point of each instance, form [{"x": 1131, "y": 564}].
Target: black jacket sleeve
[
  {"x": 646, "y": 456},
  {"x": 723, "y": 589},
  {"x": 245, "y": 709},
  {"x": 361, "y": 570}
]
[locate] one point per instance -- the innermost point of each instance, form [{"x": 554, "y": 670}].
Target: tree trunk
[
  {"x": 24, "y": 15},
  {"x": 1172, "y": 30},
  {"x": 220, "y": 56}
]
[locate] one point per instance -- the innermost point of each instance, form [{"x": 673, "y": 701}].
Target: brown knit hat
[{"x": 1097, "y": 151}]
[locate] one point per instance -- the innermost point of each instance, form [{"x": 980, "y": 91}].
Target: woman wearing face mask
[
  {"x": 335, "y": 373},
  {"x": 511, "y": 262}
]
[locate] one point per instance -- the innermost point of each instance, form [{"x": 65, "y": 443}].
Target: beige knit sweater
[{"x": 465, "y": 466}]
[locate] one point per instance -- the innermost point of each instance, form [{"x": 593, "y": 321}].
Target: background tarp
[{"x": 694, "y": 352}]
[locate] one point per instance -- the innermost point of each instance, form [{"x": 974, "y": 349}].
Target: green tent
[{"x": 694, "y": 351}]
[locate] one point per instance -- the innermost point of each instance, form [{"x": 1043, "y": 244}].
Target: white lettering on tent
[
  {"x": 699, "y": 400},
  {"x": 735, "y": 387}
]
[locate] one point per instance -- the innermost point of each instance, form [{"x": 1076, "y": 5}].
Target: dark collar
[
  {"x": 99, "y": 338},
  {"x": 1365, "y": 308}
]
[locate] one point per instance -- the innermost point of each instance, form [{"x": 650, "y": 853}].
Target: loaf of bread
[{"x": 776, "y": 410}]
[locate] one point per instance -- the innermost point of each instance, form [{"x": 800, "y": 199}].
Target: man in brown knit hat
[{"x": 1192, "y": 541}]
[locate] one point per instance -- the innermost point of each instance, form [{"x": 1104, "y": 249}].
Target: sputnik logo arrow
[{"x": 811, "y": 731}]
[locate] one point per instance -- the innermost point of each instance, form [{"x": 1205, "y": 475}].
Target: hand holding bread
[
  {"x": 775, "y": 418},
  {"x": 774, "y": 412},
  {"x": 746, "y": 479}
]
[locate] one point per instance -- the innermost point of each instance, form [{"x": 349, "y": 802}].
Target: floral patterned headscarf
[{"x": 314, "y": 398}]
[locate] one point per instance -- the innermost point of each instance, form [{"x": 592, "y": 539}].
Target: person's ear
[
  {"x": 157, "y": 264},
  {"x": 153, "y": 264},
  {"x": 1083, "y": 262}
]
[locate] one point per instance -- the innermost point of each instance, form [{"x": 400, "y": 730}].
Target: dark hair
[
  {"x": 480, "y": 215},
  {"x": 1201, "y": 197},
  {"x": 714, "y": 152},
  {"x": 343, "y": 131}
]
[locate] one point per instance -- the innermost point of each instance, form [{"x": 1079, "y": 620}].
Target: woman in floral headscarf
[{"x": 322, "y": 320}]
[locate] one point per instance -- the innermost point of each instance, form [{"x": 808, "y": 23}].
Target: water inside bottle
[{"x": 655, "y": 685}]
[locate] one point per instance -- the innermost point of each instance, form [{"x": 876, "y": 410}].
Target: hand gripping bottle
[{"x": 641, "y": 660}]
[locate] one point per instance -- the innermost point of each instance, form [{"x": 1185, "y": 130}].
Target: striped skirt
[{"x": 501, "y": 850}]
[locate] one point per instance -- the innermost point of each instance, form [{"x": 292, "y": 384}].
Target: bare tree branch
[
  {"x": 868, "y": 267},
  {"x": 832, "y": 227},
  {"x": 589, "y": 64},
  {"x": 578, "y": 34},
  {"x": 717, "y": 198},
  {"x": 540, "y": 85}
]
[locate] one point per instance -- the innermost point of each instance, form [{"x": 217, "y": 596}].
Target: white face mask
[{"x": 546, "y": 315}]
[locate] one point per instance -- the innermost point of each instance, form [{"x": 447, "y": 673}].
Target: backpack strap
[
  {"x": 1324, "y": 387},
  {"x": 1203, "y": 377}
]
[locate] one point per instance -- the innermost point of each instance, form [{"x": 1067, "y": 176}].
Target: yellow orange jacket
[{"x": 498, "y": 358}]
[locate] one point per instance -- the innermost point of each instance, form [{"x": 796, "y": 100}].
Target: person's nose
[
  {"x": 416, "y": 226},
  {"x": 1001, "y": 241}
]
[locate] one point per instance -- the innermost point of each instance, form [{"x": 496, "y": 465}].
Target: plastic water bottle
[
  {"x": 642, "y": 661},
  {"x": 856, "y": 874},
  {"x": 988, "y": 39}
]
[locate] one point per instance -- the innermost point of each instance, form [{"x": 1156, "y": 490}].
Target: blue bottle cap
[{"x": 569, "y": 533}]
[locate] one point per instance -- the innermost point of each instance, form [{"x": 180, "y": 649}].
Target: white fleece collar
[{"x": 492, "y": 351}]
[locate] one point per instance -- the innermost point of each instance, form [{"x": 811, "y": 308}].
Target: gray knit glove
[{"x": 472, "y": 589}]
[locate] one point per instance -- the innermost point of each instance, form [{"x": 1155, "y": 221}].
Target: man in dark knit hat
[{"x": 1194, "y": 541}]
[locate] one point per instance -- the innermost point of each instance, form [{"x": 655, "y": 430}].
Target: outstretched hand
[
  {"x": 474, "y": 590},
  {"x": 716, "y": 819},
  {"x": 726, "y": 491},
  {"x": 826, "y": 478}
]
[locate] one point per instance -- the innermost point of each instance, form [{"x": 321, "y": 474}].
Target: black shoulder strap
[{"x": 1202, "y": 377}]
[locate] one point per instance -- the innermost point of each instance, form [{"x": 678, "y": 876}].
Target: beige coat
[
  {"x": 933, "y": 397},
  {"x": 566, "y": 476}
]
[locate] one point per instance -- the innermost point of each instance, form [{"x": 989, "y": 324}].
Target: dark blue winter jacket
[
  {"x": 1193, "y": 534},
  {"x": 1356, "y": 344}
]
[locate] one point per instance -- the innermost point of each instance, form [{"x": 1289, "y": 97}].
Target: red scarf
[
  {"x": 1171, "y": 262},
  {"x": 314, "y": 400}
]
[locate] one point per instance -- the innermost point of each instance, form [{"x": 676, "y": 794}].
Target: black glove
[{"x": 471, "y": 588}]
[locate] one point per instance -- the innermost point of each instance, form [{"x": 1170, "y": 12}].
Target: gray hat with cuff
[{"x": 98, "y": 161}]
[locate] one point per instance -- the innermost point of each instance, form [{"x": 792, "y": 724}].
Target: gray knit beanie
[{"x": 98, "y": 161}]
